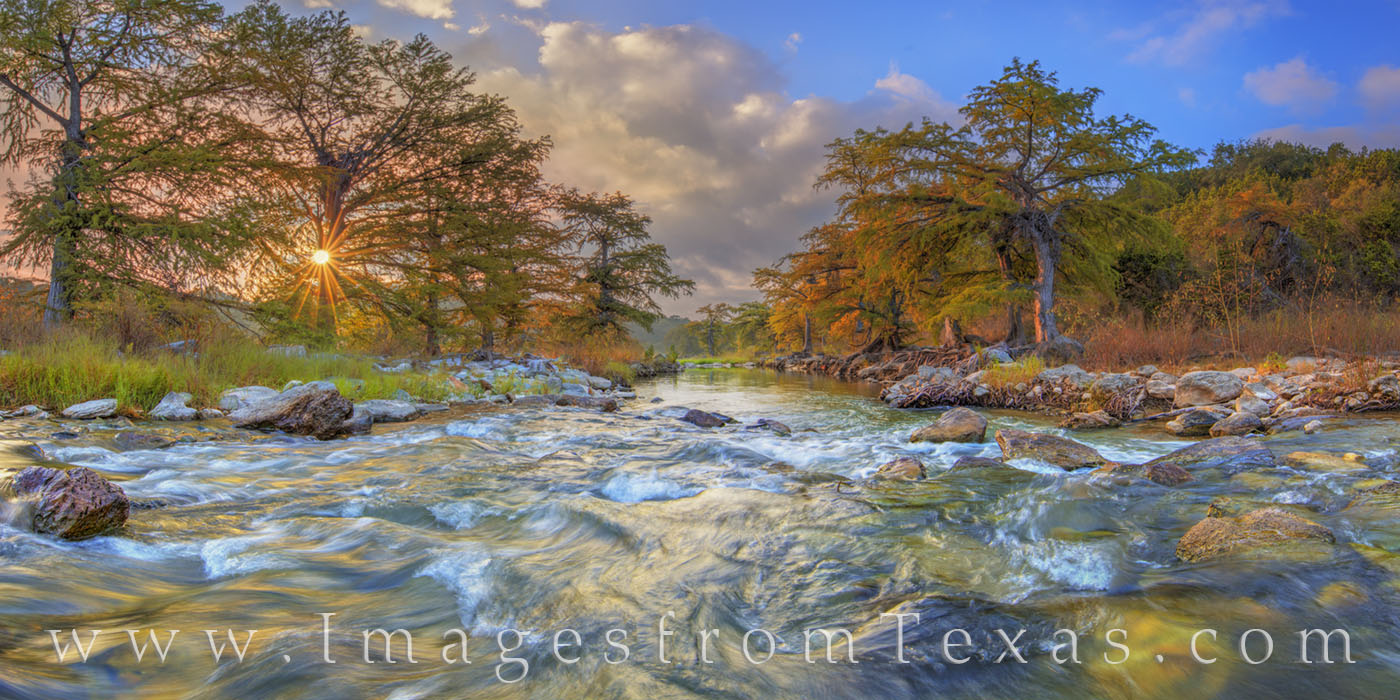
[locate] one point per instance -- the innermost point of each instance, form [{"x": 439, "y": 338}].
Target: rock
[
  {"x": 1162, "y": 474},
  {"x": 97, "y": 408},
  {"x": 602, "y": 403},
  {"x": 1108, "y": 385},
  {"x": 536, "y": 400},
  {"x": 431, "y": 407},
  {"x": 1300, "y": 364},
  {"x": 1159, "y": 389},
  {"x": 1385, "y": 494},
  {"x": 128, "y": 440},
  {"x": 1312, "y": 426},
  {"x": 360, "y": 422},
  {"x": 1249, "y": 403},
  {"x": 1146, "y": 371},
  {"x": 389, "y": 411},
  {"x": 1194, "y": 423},
  {"x": 73, "y": 504},
  {"x": 1319, "y": 461},
  {"x": 1051, "y": 449},
  {"x": 1066, "y": 373},
  {"x": 26, "y": 411},
  {"x": 1060, "y": 349},
  {"x": 1244, "y": 373},
  {"x": 1257, "y": 530},
  {"x": 955, "y": 425},
  {"x": 172, "y": 407},
  {"x": 1229, "y": 453},
  {"x": 977, "y": 462},
  {"x": 401, "y": 395},
  {"x": 901, "y": 468},
  {"x": 242, "y": 397},
  {"x": 929, "y": 373},
  {"x": 1261, "y": 391},
  {"x": 698, "y": 417},
  {"x": 1237, "y": 423},
  {"x": 776, "y": 427},
  {"x": 601, "y": 383},
  {"x": 210, "y": 414},
  {"x": 996, "y": 355},
  {"x": 1089, "y": 421},
  {"x": 1206, "y": 388},
  {"x": 310, "y": 409},
  {"x": 292, "y": 384},
  {"x": 1386, "y": 385}
]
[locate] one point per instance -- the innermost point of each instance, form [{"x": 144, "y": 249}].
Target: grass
[
  {"x": 1010, "y": 374},
  {"x": 66, "y": 368}
]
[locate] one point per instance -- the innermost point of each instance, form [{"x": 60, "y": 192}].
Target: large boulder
[
  {"x": 703, "y": 419},
  {"x": 73, "y": 504},
  {"x": 389, "y": 411},
  {"x": 1263, "y": 529},
  {"x": 901, "y": 468},
  {"x": 1237, "y": 423},
  {"x": 172, "y": 407},
  {"x": 244, "y": 396},
  {"x": 1249, "y": 403},
  {"x": 1386, "y": 387},
  {"x": 1161, "y": 389},
  {"x": 955, "y": 425},
  {"x": 1194, "y": 423},
  {"x": 315, "y": 409},
  {"x": 97, "y": 408},
  {"x": 1206, "y": 388},
  {"x": 1051, "y": 449}
]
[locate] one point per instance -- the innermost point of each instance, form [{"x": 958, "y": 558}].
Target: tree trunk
[
  {"x": 806, "y": 333},
  {"x": 1046, "y": 256},
  {"x": 58, "y": 306},
  {"x": 710, "y": 338},
  {"x": 431, "y": 346},
  {"x": 1015, "y": 329}
]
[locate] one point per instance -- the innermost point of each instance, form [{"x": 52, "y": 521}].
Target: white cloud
[
  {"x": 1293, "y": 83},
  {"x": 318, "y": 4},
  {"x": 1380, "y": 87},
  {"x": 427, "y": 9},
  {"x": 1187, "y": 96},
  {"x": 1189, "y": 34},
  {"x": 792, "y": 41},
  {"x": 696, "y": 126},
  {"x": 529, "y": 4},
  {"x": 1354, "y": 136}
]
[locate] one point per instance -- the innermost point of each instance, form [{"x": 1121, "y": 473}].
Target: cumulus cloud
[
  {"x": 1183, "y": 36},
  {"x": 1380, "y": 87},
  {"x": 792, "y": 42},
  {"x": 696, "y": 126},
  {"x": 1293, "y": 83},
  {"x": 427, "y": 9},
  {"x": 529, "y": 4}
]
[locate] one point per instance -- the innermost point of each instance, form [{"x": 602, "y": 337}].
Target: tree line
[
  {"x": 1036, "y": 210},
  {"x": 316, "y": 182}
]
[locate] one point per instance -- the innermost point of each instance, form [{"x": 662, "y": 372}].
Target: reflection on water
[{"x": 538, "y": 521}]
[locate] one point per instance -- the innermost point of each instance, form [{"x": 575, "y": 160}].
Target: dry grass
[
  {"x": 1006, "y": 376},
  {"x": 602, "y": 357},
  {"x": 1337, "y": 328}
]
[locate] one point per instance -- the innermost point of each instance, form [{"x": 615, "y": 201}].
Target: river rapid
[{"x": 515, "y": 525}]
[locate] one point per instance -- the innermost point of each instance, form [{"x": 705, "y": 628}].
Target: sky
[{"x": 713, "y": 114}]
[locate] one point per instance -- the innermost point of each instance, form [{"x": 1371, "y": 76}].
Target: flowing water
[{"x": 512, "y": 526}]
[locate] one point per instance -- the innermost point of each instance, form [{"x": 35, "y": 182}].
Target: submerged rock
[
  {"x": 602, "y": 403},
  {"x": 1320, "y": 461},
  {"x": 1051, "y": 449},
  {"x": 901, "y": 468},
  {"x": 1261, "y": 529},
  {"x": 955, "y": 425},
  {"x": 1230, "y": 453},
  {"x": 129, "y": 440},
  {"x": 1206, "y": 388},
  {"x": 315, "y": 409},
  {"x": 73, "y": 504},
  {"x": 1162, "y": 474},
  {"x": 1237, "y": 423},
  {"x": 97, "y": 408},
  {"x": 172, "y": 407},
  {"x": 776, "y": 427},
  {"x": 703, "y": 419}
]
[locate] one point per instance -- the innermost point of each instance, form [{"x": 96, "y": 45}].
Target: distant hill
[{"x": 657, "y": 336}]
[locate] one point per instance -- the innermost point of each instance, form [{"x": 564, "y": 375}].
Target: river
[{"x": 514, "y": 526}]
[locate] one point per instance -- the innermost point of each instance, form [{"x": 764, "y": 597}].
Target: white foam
[
  {"x": 628, "y": 487},
  {"x": 227, "y": 556},
  {"x": 461, "y": 515},
  {"x": 463, "y": 570}
]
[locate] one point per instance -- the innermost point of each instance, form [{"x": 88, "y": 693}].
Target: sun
[{"x": 321, "y": 257}]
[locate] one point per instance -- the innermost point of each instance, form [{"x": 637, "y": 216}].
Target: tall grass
[
  {"x": 599, "y": 356},
  {"x": 72, "y": 366}
]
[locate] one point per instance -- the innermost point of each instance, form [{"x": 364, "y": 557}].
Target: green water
[{"x": 541, "y": 521}]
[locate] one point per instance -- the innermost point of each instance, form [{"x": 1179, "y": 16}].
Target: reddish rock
[{"x": 74, "y": 504}]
